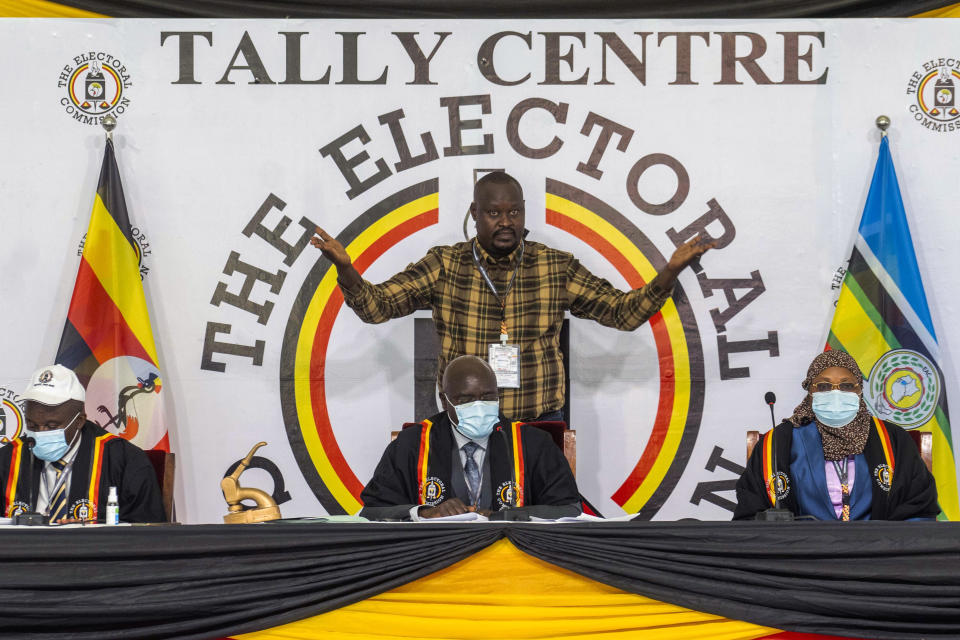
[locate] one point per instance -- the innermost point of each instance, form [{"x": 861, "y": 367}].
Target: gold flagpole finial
[
  {"x": 883, "y": 123},
  {"x": 109, "y": 123}
]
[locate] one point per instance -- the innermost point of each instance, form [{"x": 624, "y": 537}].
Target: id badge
[{"x": 505, "y": 361}]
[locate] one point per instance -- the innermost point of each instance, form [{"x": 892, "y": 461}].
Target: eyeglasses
[{"x": 823, "y": 387}]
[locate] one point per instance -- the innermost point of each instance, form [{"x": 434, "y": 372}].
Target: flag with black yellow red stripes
[
  {"x": 107, "y": 338},
  {"x": 883, "y": 321}
]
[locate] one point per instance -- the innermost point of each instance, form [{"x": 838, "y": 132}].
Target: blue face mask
[
  {"x": 476, "y": 420},
  {"x": 52, "y": 444},
  {"x": 836, "y": 408}
]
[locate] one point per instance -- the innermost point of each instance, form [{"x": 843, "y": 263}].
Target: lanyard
[
  {"x": 493, "y": 288},
  {"x": 844, "y": 488}
]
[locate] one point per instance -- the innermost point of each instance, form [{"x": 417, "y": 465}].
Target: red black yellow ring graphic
[
  {"x": 302, "y": 368},
  {"x": 675, "y": 334},
  {"x": 303, "y": 357},
  {"x": 12, "y": 431},
  {"x": 923, "y": 85},
  {"x": 78, "y": 102}
]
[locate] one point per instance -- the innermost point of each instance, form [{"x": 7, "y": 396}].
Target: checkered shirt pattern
[{"x": 467, "y": 314}]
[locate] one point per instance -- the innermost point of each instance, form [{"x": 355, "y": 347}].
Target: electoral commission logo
[
  {"x": 370, "y": 235},
  {"x": 933, "y": 89},
  {"x": 11, "y": 415},
  {"x": 95, "y": 84}
]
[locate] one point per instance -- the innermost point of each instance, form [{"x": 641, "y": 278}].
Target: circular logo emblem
[
  {"x": 46, "y": 376},
  {"x": 432, "y": 490},
  {"x": 82, "y": 509},
  {"x": 16, "y": 508},
  {"x": 95, "y": 83},
  {"x": 882, "y": 476},
  {"x": 903, "y": 387},
  {"x": 937, "y": 94},
  {"x": 933, "y": 88},
  {"x": 11, "y": 416},
  {"x": 506, "y": 494},
  {"x": 781, "y": 485},
  {"x": 94, "y": 89}
]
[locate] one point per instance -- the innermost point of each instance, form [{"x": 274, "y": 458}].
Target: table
[{"x": 863, "y": 579}]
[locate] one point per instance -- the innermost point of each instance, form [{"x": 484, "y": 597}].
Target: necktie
[
  {"x": 472, "y": 472},
  {"x": 58, "y": 502}
]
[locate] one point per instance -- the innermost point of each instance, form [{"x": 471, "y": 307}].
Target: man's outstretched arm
[
  {"x": 332, "y": 250},
  {"x": 594, "y": 298},
  {"x": 401, "y": 295}
]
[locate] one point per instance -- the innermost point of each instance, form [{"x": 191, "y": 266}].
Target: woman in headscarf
[{"x": 833, "y": 460}]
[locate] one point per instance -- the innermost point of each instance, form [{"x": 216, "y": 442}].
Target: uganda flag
[
  {"x": 107, "y": 338},
  {"x": 883, "y": 321}
]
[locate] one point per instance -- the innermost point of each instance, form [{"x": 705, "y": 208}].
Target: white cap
[{"x": 53, "y": 386}]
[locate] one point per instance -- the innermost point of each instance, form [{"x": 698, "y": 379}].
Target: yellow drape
[
  {"x": 950, "y": 11},
  {"x": 502, "y": 592},
  {"x": 41, "y": 9}
]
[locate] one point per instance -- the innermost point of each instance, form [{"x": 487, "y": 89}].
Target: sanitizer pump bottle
[{"x": 113, "y": 509}]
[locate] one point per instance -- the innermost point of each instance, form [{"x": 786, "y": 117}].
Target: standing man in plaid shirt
[{"x": 500, "y": 297}]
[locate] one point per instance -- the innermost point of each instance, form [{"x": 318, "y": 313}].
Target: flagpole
[
  {"x": 109, "y": 123},
  {"x": 882, "y": 122}
]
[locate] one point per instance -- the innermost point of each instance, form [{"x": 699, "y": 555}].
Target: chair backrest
[
  {"x": 923, "y": 440},
  {"x": 753, "y": 437},
  {"x": 426, "y": 347},
  {"x": 562, "y": 436},
  {"x": 164, "y": 463}
]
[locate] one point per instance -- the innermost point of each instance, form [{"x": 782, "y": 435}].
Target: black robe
[
  {"x": 911, "y": 494},
  {"x": 123, "y": 466},
  {"x": 549, "y": 489}
]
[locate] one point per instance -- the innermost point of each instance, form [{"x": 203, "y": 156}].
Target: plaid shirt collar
[{"x": 508, "y": 261}]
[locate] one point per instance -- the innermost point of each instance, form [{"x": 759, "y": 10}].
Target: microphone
[
  {"x": 30, "y": 517},
  {"x": 771, "y": 398},
  {"x": 776, "y": 513},
  {"x": 31, "y": 443}
]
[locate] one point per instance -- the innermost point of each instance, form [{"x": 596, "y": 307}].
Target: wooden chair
[
  {"x": 923, "y": 440},
  {"x": 163, "y": 465},
  {"x": 562, "y": 436}
]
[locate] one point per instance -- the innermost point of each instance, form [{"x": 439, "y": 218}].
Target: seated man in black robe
[
  {"x": 63, "y": 465},
  {"x": 470, "y": 458}
]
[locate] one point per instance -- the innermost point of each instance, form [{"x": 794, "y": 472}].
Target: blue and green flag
[{"x": 883, "y": 321}]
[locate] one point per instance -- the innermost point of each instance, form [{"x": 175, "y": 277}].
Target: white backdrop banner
[{"x": 236, "y": 137}]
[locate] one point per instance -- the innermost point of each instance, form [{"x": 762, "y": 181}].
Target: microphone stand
[
  {"x": 30, "y": 518},
  {"x": 776, "y": 513}
]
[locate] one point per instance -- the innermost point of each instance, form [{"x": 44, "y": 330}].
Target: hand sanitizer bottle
[{"x": 113, "y": 509}]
